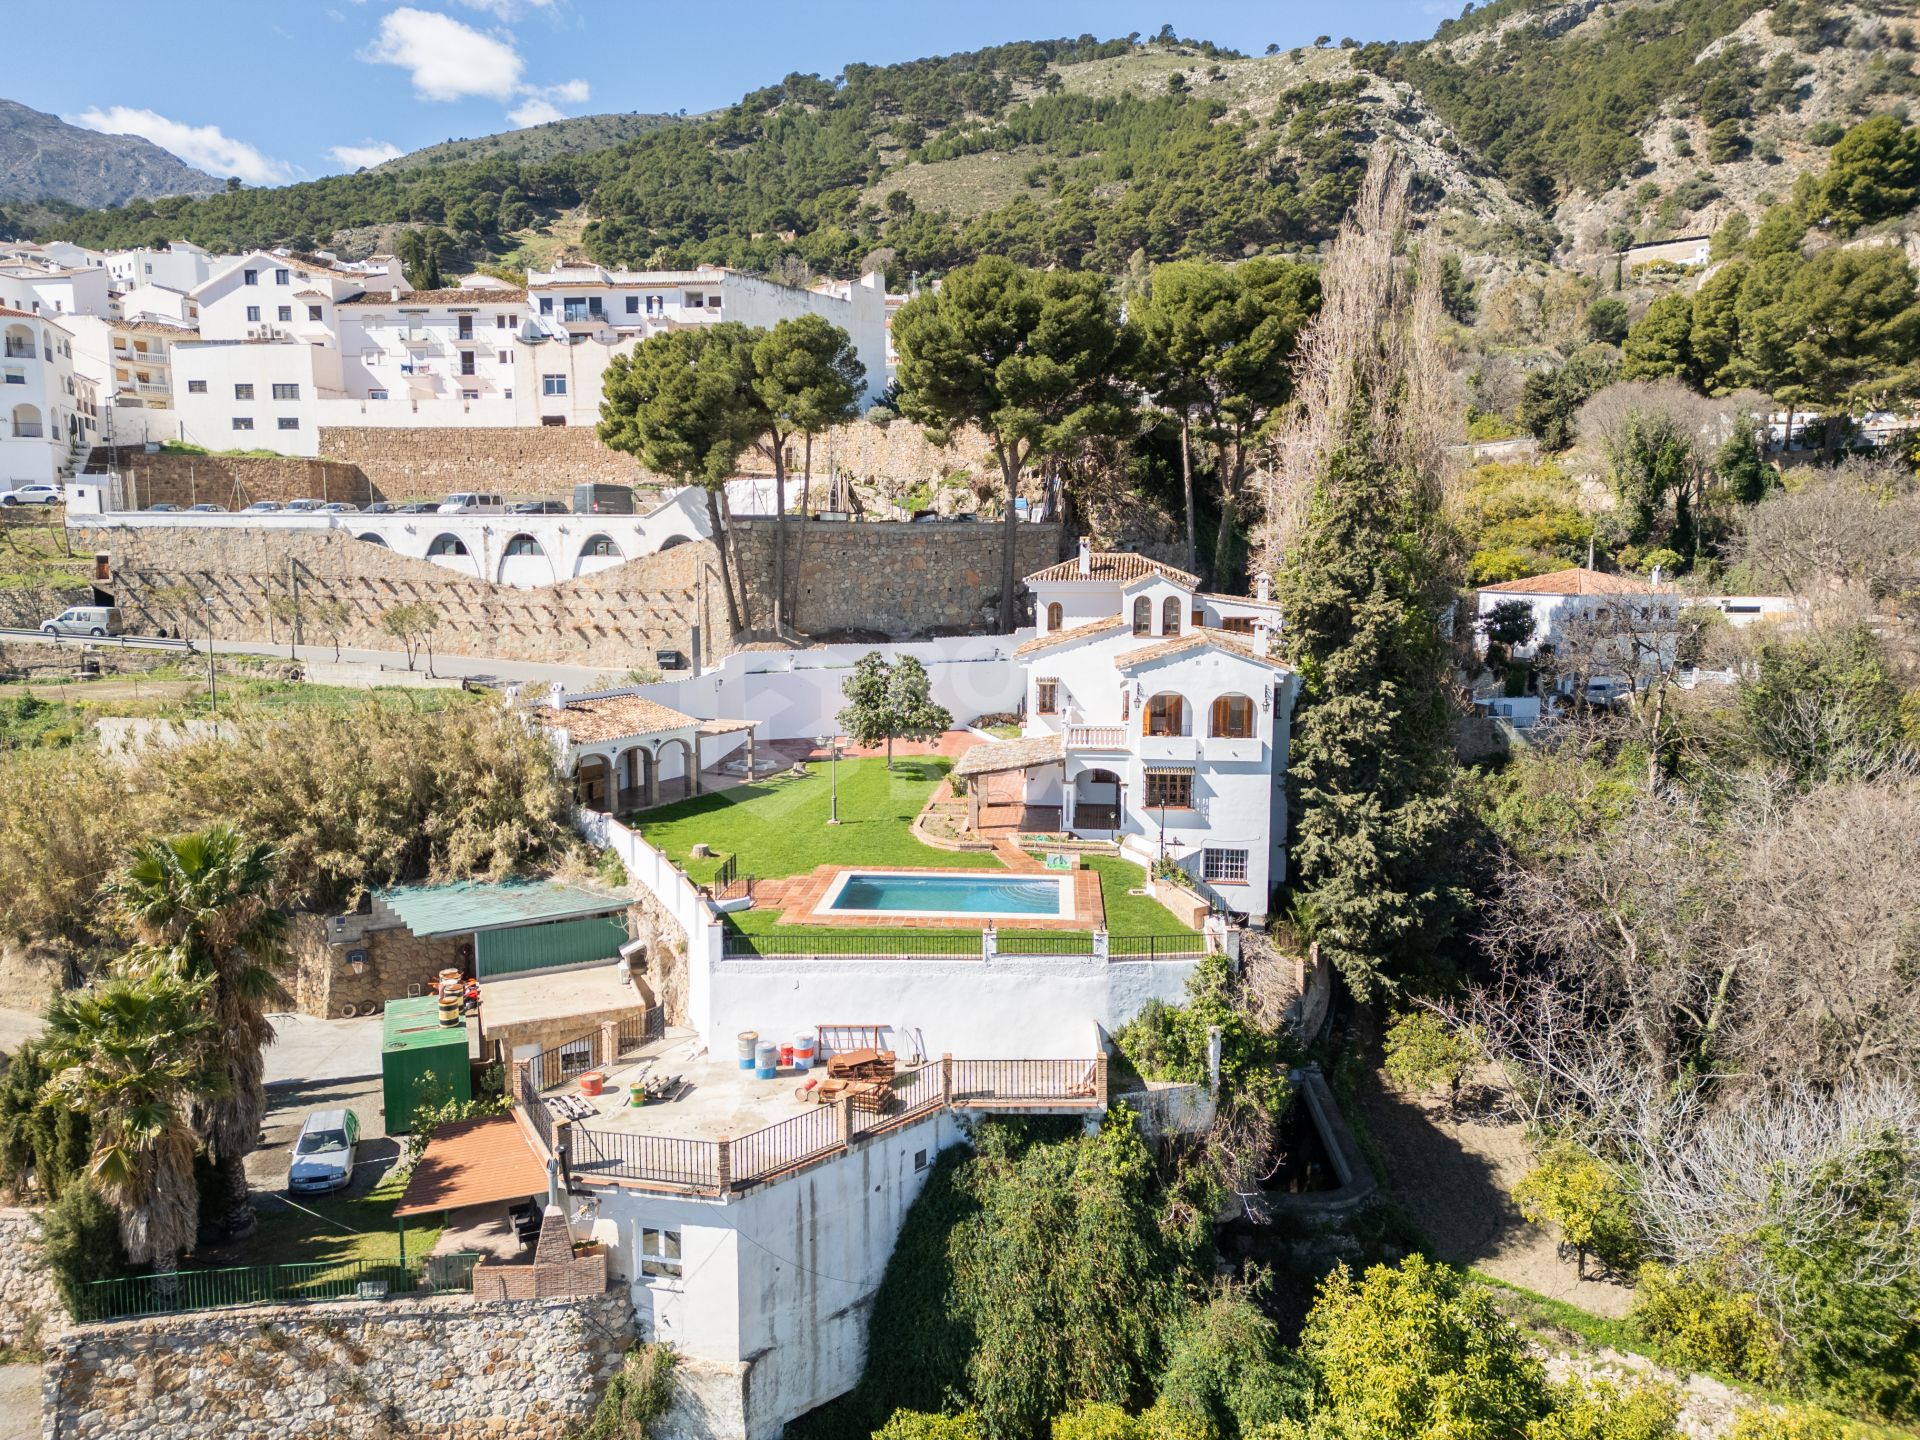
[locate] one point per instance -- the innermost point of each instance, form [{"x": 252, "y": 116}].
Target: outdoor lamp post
[{"x": 832, "y": 742}]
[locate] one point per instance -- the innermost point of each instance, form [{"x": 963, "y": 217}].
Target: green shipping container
[
  {"x": 422, "y": 1062},
  {"x": 550, "y": 946}
]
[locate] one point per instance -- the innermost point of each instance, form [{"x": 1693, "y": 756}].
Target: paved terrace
[{"x": 728, "y": 1131}]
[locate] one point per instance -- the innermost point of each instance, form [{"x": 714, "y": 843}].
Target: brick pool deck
[{"x": 795, "y": 896}]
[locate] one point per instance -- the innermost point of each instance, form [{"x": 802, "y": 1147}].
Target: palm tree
[
  {"x": 133, "y": 1053},
  {"x": 199, "y": 905}
]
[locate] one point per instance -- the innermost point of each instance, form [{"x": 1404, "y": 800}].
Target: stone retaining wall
[
  {"x": 892, "y": 579},
  {"x": 30, "y": 1308},
  {"x": 537, "y": 462},
  {"x": 235, "y": 481},
  {"x": 454, "y": 1367},
  {"x": 173, "y": 577},
  {"x": 28, "y": 609}
]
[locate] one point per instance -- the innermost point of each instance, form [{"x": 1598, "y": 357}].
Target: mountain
[
  {"x": 1537, "y": 130},
  {"x": 44, "y": 158},
  {"x": 537, "y": 142}
]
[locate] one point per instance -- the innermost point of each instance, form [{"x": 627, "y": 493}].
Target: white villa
[{"x": 1156, "y": 717}]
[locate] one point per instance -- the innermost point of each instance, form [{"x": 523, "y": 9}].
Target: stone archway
[
  {"x": 635, "y": 784},
  {"x": 1096, "y": 800}
]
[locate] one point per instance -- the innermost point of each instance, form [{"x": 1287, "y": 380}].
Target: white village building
[{"x": 44, "y": 429}]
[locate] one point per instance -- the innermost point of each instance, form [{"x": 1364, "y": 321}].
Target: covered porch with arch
[{"x": 626, "y": 753}]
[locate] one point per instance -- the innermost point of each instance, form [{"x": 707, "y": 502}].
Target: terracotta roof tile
[
  {"x": 612, "y": 717},
  {"x": 474, "y": 1162},
  {"x": 1069, "y": 635},
  {"x": 999, "y": 755},
  {"x": 1576, "y": 580},
  {"x": 1108, "y": 567},
  {"x": 1200, "y": 637}
]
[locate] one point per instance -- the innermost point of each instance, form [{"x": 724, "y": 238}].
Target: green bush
[
  {"x": 1603, "y": 1411},
  {"x": 637, "y": 1398},
  {"x": 1585, "y": 1199},
  {"x": 918, "y": 1425},
  {"x": 1169, "y": 1042},
  {"x": 1694, "y": 1319},
  {"x": 80, "y": 1242},
  {"x": 1423, "y": 1052},
  {"x": 1787, "y": 1422}
]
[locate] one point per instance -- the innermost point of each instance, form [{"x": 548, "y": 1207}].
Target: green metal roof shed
[
  {"x": 517, "y": 926},
  {"x": 415, "y": 1045}
]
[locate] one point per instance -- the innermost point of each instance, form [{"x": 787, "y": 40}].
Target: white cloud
[
  {"x": 535, "y": 112},
  {"x": 447, "y": 60},
  {"x": 569, "y": 92},
  {"x": 205, "y": 147},
  {"x": 354, "y": 157},
  {"x": 507, "y": 9}
]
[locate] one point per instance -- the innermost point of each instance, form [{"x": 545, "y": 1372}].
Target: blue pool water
[{"x": 949, "y": 894}]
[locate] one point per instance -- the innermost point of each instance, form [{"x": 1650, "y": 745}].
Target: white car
[
  {"x": 38, "y": 494},
  {"x": 323, "y": 1156}
]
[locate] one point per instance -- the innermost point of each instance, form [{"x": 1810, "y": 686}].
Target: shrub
[
  {"x": 80, "y": 1242},
  {"x": 917, "y": 1425},
  {"x": 1586, "y": 1200},
  {"x": 1697, "y": 1320},
  {"x": 637, "y": 1398},
  {"x": 1169, "y": 1042},
  {"x": 1786, "y": 1422},
  {"x": 1603, "y": 1411},
  {"x": 1426, "y": 1053}
]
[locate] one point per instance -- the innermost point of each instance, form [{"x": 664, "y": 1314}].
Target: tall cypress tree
[{"x": 1363, "y": 583}]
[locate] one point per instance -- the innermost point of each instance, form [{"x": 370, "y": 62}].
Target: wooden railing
[{"x": 713, "y": 1167}]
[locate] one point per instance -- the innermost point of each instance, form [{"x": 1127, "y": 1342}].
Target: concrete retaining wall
[
  {"x": 453, "y": 1367},
  {"x": 173, "y": 577}
]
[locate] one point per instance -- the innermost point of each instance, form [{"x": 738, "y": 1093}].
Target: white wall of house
[
  {"x": 1008, "y": 1008},
  {"x": 159, "y": 302},
  {"x": 181, "y": 267},
  {"x": 41, "y": 427},
  {"x": 797, "y": 693},
  {"x": 247, "y": 395},
  {"x": 256, "y": 296},
  {"x": 769, "y": 1313},
  {"x": 70, "y": 291}
]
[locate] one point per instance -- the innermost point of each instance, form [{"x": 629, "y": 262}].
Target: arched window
[
  {"x": 1143, "y": 616},
  {"x": 523, "y": 545},
  {"x": 1164, "y": 714},
  {"x": 1054, "y": 614},
  {"x": 1233, "y": 717},
  {"x": 1170, "y": 615},
  {"x": 446, "y": 545},
  {"x": 373, "y": 539},
  {"x": 599, "y": 545}
]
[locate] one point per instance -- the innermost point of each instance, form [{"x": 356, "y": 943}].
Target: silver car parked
[{"x": 323, "y": 1156}]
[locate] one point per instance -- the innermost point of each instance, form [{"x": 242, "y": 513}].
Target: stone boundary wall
[
  {"x": 30, "y": 1308},
  {"x": 29, "y": 609},
  {"x": 235, "y": 481},
  {"x": 175, "y": 577},
  {"x": 452, "y": 1367},
  {"x": 894, "y": 579},
  {"x": 534, "y": 462}
]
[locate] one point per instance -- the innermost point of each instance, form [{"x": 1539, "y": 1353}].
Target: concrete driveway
[{"x": 310, "y": 1048}]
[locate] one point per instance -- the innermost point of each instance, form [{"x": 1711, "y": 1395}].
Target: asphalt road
[{"x": 463, "y": 667}]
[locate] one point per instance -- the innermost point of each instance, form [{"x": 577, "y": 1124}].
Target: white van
[
  {"x": 96, "y": 620},
  {"x": 471, "y": 502}
]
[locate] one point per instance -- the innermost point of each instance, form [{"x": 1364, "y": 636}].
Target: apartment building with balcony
[
  {"x": 575, "y": 302},
  {"x": 43, "y": 429},
  {"x": 129, "y": 364},
  {"x": 1156, "y": 717}
]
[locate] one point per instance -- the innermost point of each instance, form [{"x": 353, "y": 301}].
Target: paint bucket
[
  {"x": 803, "y": 1051},
  {"x": 748, "y": 1040},
  {"x": 451, "y": 1002},
  {"x": 764, "y": 1058},
  {"x": 592, "y": 1083},
  {"x": 786, "y": 1057},
  {"x": 637, "y": 1093}
]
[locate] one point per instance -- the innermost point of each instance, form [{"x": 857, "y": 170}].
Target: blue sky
[{"x": 274, "y": 92}]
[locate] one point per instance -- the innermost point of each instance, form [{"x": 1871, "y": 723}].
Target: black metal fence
[
  {"x": 175, "y": 1291},
  {"x": 662, "y": 1160}
]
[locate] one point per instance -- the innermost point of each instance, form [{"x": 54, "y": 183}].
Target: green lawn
[
  {"x": 779, "y": 827},
  {"x": 328, "y": 1229}
]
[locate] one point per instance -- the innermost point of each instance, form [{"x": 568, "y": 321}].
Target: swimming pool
[{"x": 959, "y": 894}]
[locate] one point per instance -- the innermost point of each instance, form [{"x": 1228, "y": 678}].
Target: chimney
[
  {"x": 557, "y": 696},
  {"x": 1263, "y": 587},
  {"x": 1086, "y": 556},
  {"x": 1262, "y": 637}
]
